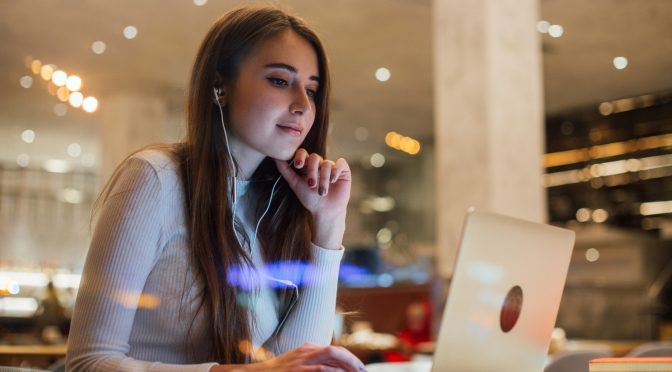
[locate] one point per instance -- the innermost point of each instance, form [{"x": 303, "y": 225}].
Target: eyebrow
[{"x": 290, "y": 68}]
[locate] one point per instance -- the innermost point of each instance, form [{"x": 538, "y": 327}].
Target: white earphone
[{"x": 287, "y": 283}]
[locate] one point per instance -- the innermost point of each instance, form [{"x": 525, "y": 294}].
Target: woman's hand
[
  {"x": 305, "y": 358},
  {"x": 323, "y": 187}
]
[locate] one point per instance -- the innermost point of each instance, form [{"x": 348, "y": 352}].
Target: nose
[{"x": 301, "y": 102}]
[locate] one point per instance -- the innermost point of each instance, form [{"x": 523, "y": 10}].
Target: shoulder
[
  {"x": 159, "y": 160},
  {"x": 155, "y": 169},
  {"x": 159, "y": 163}
]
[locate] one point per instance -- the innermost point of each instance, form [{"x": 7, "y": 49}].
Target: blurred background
[{"x": 84, "y": 83}]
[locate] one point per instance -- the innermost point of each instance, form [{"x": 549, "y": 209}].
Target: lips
[{"x": 293, "y": 130}]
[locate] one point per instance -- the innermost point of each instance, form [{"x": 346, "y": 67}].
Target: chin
[{"x": 283, "y": 155}]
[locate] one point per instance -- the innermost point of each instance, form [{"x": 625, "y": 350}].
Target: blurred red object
[{"x": 417, "y": 331}]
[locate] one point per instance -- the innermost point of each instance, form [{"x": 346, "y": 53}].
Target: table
[{"x": 40, "y": 356}]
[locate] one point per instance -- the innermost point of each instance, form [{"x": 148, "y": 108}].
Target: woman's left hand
[{"x": 323, "y": 187}]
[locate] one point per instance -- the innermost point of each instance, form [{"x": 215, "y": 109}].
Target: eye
[
  {"x": 311, "y": 93},
  {"x": 278, "y": 82}
]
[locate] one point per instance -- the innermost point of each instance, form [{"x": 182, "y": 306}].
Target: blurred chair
[
  {"x": 652, "y": 349},
  {"x": 575, "y": 360}
]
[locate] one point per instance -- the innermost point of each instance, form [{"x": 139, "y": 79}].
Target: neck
[{"x": 248, "y": 160}]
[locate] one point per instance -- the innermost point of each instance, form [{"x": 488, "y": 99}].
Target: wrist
[
  {"x": 328, "y": 232},
  {"x": 234, "y": 367}
]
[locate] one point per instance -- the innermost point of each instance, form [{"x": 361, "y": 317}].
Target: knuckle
[{"x": 331, "y": 351}]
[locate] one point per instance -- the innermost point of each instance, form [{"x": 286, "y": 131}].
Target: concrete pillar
[
  {"x": 129, "y": 121},
  {"x": 488, "y": 114}
]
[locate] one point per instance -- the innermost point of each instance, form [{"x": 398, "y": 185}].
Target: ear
[
  {"x": 219, "y": 91},
  {"x": 219, "y": 98}
]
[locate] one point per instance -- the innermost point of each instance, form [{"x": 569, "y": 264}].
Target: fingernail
[
  {"x": 332, "y": 179},
  {"x": 311, "y": 182},
  {"x": 361, "y": 367},
  {"x": 297, "y": 163},
  {"x": 322, "y": 191}
]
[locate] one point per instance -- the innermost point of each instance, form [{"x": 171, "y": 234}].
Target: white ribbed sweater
[{"x": 138, "y": 294}]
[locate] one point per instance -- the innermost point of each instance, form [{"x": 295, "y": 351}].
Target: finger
[
  {"x": 308, "y": 346},
  {"x": 340, "y": 166},
  {"x": 287, "y": 173},
  {"x": 325, "y": 173},
  {"x": 336, "y": 356},
  {"x": 312, "y": 165},
  {"x": 319, "y": 368},
  {"x": 300, "y": 158}
]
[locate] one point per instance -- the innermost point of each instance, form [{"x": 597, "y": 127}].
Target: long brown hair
[{"x": 285, "y": 233}]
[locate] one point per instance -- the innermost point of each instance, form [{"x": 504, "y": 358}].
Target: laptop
[{"x": 504, "y": 297}]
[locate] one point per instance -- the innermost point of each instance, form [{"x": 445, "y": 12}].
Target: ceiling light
[
  {"x": 600, "y": 215},
  {"x": 60, "y": 109},
  {"x": 382, "y": 203},
  {"x": 88, "y": 160},
  {"x": 18, "y": 307},
  {"x": 98, "y": 47},
  {"x": 415, "y": 148},
  {"x": 36, "y": 66},
  {"x": 383, "y": 74},
  {"x": 63, "y": 280},
  {"x": 59, "y": 77},
  {"x": 555, "y": 30},
  {"x": 377, "y": 160},
  {"x": 23, "y": 160},
  {"x": 46, "y": 71},
  {"x": 52, "y": 88},
  {"x": 73, "y": 83},
  {"x": 57, "y": 166},
  {"x": 76, "y": 99},
  {"x": 26, "y": 81},
  {"x": 28, "y": 136},
  {"x": 606, "y": 108},
  {"x": 63, "y": 94},
  {"x": 90, "y": 104},
  {"x": 362, "y": 134},
  {"x": 200, "y": 2},
  {"x": 542, "y": 26},
  {"x": 393, "y": 139},
  {"x": 130, "y": 32},
  {"x": 620, "y": 63},
  {"x": 592, "y": 255},
  {"x": 583, "y": 214},
  {"x": 74, "y": 150},
  {"x": 658, "y": 207},
  {"x": 384, "y": 235},
  {"x": 70, "y": 195}
]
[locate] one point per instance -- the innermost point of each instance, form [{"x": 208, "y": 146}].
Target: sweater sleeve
[
  {"x": 312, "y": 319},
  {"x": 125, "y": 246}
]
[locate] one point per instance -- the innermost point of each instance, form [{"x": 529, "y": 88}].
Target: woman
[{"x": 174, "y": 279}]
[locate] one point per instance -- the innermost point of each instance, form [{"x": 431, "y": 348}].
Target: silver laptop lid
[{"x": 504, "y": 295}]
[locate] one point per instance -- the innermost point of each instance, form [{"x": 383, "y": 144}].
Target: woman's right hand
[{"x": 305, "y": 358}]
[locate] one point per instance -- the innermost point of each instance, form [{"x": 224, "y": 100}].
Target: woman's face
[{"x": 271, "y": 104}]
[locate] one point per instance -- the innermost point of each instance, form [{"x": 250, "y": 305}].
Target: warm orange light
[
  {"x": 36, "y": 66},
  {"x": 46, "y": 71},
  {"x": 395, "y": 141},
  {"x": 63, "y": 94},
  {"x": 51, "y": 88},
  {"x": 415, "y": 148},
  {"x": 610, "y": 149},
  {"x": 556, "y": 159}
]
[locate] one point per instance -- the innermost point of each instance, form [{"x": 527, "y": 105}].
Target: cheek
[{"x": 310, "y": 124}]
